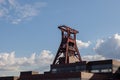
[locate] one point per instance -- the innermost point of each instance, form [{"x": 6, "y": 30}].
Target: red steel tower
[{"x": 68, "y": 51}]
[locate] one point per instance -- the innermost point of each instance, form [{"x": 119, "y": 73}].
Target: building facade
[{"x": 92, "y": 70}]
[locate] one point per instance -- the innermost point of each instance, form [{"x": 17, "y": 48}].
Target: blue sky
[{"x": 28, "y": 30}]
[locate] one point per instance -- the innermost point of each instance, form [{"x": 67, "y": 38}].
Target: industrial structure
[
  {"x": 68, "y": 64},
  {"x": 68, "y": 51}
]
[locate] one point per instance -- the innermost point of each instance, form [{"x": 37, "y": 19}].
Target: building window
[
  {"x": 106, "y": 66},
  {"x": 95, "y": 71},
  {"x": 106, "y": 70},
  {"x": 101, "y": 68},
  {"x": 80, "y": 68},
  {"x": 54, "y": 70}
]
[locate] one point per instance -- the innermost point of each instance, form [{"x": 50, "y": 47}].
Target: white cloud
[
  {"x": 13, "y": 11},
  {"x": 93, "y": 57},
  {"x": 105, "y": 48},
  {"x": 9, "y": 62},
  {"x": 81, "y": 44},
  {"x": 110, "y": 47}
]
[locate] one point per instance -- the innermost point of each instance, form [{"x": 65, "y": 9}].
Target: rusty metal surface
[{"x": 67, "y": 51}]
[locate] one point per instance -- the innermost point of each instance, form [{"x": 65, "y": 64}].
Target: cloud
[
  {"x": 93, "y": 57},
  {"x": 104, "y": 48},
  {"x": 109, "y": 47},
  {"x": 14, "y": 12},
  {"x": 81, "y": 44},
  {"x": 9, "y": 62}
]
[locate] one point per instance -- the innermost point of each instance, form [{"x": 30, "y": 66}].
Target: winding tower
[{"x": 67, "y": 51}]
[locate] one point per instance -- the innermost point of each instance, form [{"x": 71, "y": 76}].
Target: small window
[
  {"x": 95, "y": 71},
  {"x": 54, "y": 70}
]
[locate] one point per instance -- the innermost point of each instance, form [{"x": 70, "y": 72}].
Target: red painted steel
[{"x": 68, "y": 46}]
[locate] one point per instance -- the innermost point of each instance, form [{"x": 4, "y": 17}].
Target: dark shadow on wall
[{"x": 116, "y": 75}]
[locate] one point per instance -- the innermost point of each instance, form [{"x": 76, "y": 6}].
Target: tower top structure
[{"x": 67, "y": 51}]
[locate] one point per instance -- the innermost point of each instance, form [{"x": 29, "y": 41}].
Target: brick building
[{"x": 93, "y": 70}]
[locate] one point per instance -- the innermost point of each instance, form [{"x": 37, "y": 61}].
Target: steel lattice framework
[{"x": 67, "y": 51}]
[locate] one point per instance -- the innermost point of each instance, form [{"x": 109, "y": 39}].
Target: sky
[{"x": 29, "y": 34}]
